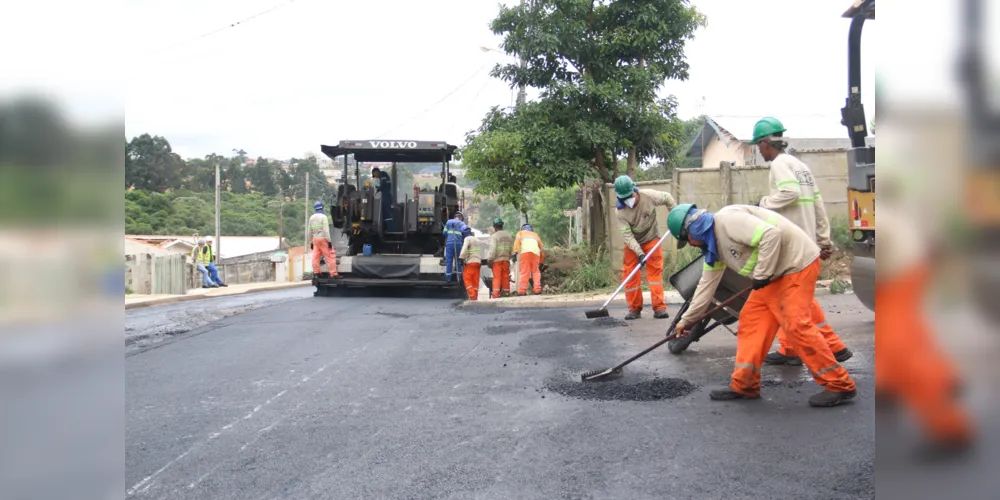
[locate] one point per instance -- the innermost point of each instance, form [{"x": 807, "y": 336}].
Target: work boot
[
  {"x": 829, "y": 398},
  {"x": 727, "y": 393},
  {"x": 776, "y": 358},
  {"x": 661, "y": 314},
  {"x": 223, "y": 284},
  {"x": 633, "y": 315},
  {"x": 843, "y": 355}
]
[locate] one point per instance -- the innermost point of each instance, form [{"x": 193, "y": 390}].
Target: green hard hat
[
  {"x": 498, "y": 221},
  {"x": 675, "y": 222},
  {"x": 765, "y": 127},
  {"x": 624, "y": 186}
]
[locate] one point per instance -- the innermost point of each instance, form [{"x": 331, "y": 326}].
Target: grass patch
[{"x": 579, "y": 269}]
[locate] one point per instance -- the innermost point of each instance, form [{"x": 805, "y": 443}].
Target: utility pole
[
  {"x": 218, "y": 220},
  {"x": 306, "y": 246},
  {"x": 281, "y": 216}
]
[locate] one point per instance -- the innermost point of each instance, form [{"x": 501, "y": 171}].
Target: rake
[{"x": 616, "y": 371}]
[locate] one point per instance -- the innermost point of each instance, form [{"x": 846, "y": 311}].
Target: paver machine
[
  {"x": 394, "y": 236},
  {"x": 860, "y": 162}
]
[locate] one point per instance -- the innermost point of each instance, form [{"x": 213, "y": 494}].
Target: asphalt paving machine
[
  {"x": 860, "y": 163},
  {"x": 394, "y": 236}
]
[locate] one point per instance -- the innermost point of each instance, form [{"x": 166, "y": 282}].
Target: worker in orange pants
[
  {"x": 472, "y": 255},
  {"x": 786, "y": 300},
  {"x": 528, "y": 247},
  {"x": 636, "y": 214},
  {"x": 499, "y": 254},
  {"x": 787, "y": 355},
  {"x": 909, "y": 364},
  {"x": 319, "y": 229},
  {"x": 654, "y": 275},
  {"x": 783, "y": 263}
]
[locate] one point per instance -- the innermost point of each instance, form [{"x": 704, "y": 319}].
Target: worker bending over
[
  {"x": 453, "y": 230},
  {"x": 528, "y": 247},
  {"x": 783, "y": 264},
  {"x": 473, "y": 252},
  {"x": 321, "y": 246},
  {"x": 501, "y": 248},
  {"x": 795, "y": 196},
  {"x": 637, "y": 221}
]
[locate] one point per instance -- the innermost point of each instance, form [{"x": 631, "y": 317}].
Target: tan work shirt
[
  {"x": 638, "y": 224},
  {"x": 473, "y": 250},
  {"x": 501, "y": 246},
  {"x": 796, "y": 197},
  {"x": 319, "y": 226},
  {"x": 755, "y": 242}
]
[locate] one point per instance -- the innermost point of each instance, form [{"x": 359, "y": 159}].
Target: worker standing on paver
[
  {"x": 201, "y": 257},
  {"x": 453, "y": 230},
  {"x": 637, "y": 222},
  {"x": 213, "y": 272},
  {"x": 501, "y": 248},
  {"x": 473, "y": 252},
  {"x": 795, "y": 196},
  {"x": 319, "y": 228},
  {"x": 528, "y": 247},
  {"x": 783, "y": 264}
]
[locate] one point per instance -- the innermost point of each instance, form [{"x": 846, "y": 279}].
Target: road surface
[{"x": 391, "y": 398}]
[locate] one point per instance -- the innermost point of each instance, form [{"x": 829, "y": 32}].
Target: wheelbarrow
[{"x": 685, "y": 282}]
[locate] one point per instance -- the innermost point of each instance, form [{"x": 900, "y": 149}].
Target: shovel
[
  {"x": 603, "y": 311},
  {"x": 616, "y": 371}
]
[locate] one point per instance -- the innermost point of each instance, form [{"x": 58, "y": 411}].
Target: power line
[
  {"x": 432, "y": 106},
  {"x": 233, "y": 25}
]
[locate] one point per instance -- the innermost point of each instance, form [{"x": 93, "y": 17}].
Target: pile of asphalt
[
  {"x": 610, "y": 321},
  {"x": 649, "y": 390}
]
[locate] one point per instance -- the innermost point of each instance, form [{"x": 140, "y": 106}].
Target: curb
[
  {"x": 185, "y": 298},
  {"x": 670, "y": 297}
]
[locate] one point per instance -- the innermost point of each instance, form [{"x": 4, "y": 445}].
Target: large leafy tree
[
  {"x": 599, "y": 65},
  {"x": 151, "y": 164}
]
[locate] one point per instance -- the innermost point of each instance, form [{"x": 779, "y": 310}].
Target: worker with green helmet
[
  {"x": 499, "y": 252},
  {"x": 637, "y": 221},
  {"x": 782, "y": 262},
  {"x": 795, "y": 195}
]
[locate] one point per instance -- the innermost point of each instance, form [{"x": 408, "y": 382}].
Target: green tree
[
  {"x": 599, "y": 66},
  {"x": 151, "y": 164},
  {"x": 546, "y": 214}
]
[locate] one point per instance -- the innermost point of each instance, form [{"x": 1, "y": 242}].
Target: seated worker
[
  {"x": 472, "y": 255},
  {"x": 783, "y": 263},
  {"x": 213, "y": 272},
  {"x": 528, "y": 246},
  {"x": 383, "y": 185}
]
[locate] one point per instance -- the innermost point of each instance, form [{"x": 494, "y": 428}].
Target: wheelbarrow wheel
[{"x": 680, "y": 345}]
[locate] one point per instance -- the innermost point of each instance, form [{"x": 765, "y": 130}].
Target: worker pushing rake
[{"x": 782, "y": 263}]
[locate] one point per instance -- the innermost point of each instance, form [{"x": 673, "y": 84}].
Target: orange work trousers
[
  {"x": 785, "y": 303},
  {"x": 819, "y": 318},
  {"x": 910, "y": 365},
  {"x": 654, "y": 276},
  {"x": 471, "y": 277},
  {"x": 322, "y": 248},
  {"x": 529, "y": 270},
  {"x": 501, "y": 277}
]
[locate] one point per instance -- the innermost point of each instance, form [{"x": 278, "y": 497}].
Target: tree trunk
[
  {"x": 617, "y": 167},
  {"x": 601, "y": 166},
  {"x": 631, "y": 162}
]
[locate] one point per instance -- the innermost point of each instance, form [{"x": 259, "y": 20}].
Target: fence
[{"x": 148, "y": 274}]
